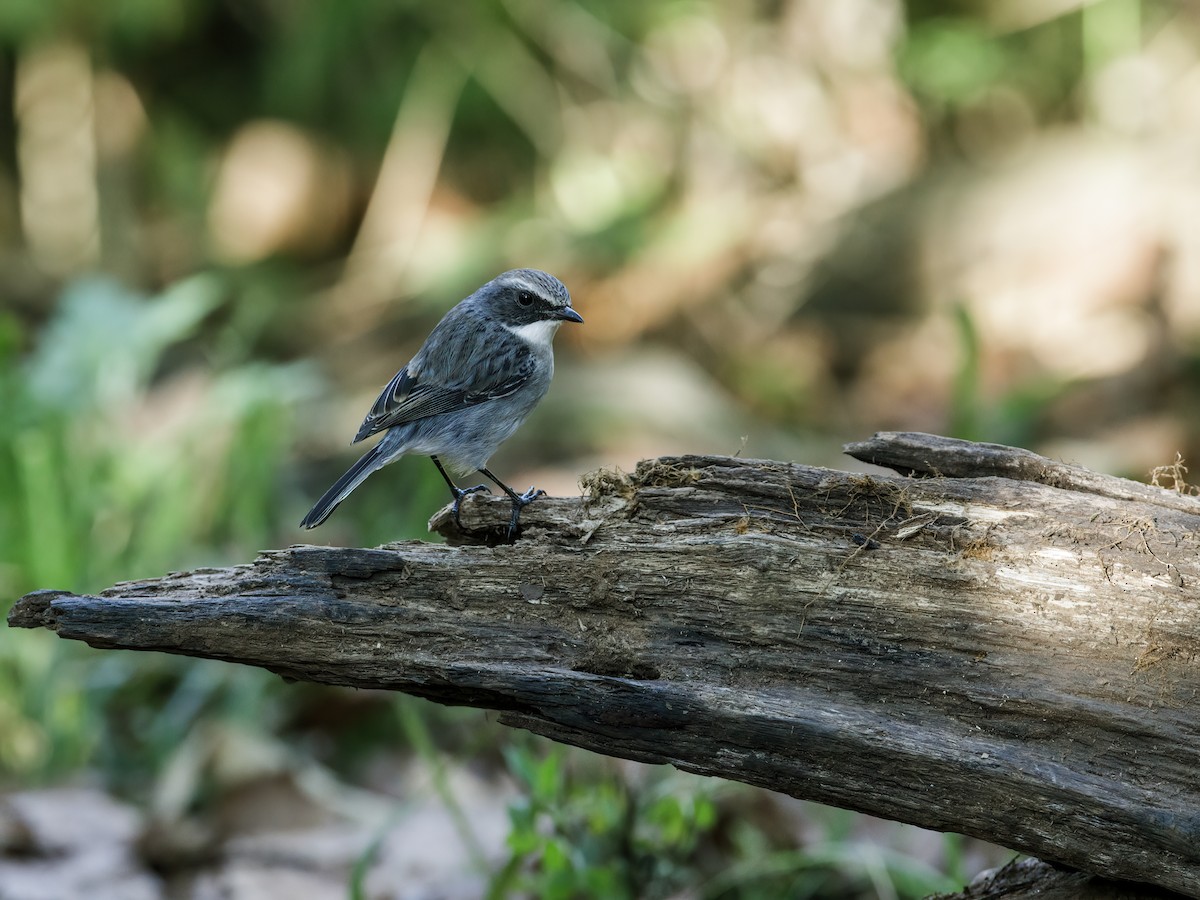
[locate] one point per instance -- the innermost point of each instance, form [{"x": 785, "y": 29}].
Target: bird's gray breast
[{"x": 466, "y": 438}]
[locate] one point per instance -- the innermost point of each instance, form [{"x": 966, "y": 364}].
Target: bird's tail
[{"x": 355, "y": 475}]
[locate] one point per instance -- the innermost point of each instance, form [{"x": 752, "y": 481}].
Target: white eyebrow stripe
[{"x": 528, "y": 285}]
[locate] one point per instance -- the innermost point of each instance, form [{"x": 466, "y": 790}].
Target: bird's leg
[
  {"x": 519, "y": 501},
  {"x": 458, "y": 492}
]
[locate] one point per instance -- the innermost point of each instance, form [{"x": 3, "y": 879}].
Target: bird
[{"x": 479, "y": 374}]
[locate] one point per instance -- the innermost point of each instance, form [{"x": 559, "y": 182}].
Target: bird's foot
[
  {"x": 459, "y": 493},
  {"x": 520, "y": 501}
]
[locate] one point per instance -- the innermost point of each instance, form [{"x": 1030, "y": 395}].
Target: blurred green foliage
[
  {"x": 105, "y": 482},
  {"x": 105, "y": 486}
]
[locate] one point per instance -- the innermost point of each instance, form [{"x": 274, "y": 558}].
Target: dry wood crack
[{"x": 1006, "y": 648}]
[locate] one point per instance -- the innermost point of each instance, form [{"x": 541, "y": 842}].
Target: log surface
[
  {"x": 1007, "y": 648},
  {"x": 1031, "y": 879}
]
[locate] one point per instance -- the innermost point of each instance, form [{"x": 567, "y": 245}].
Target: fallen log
[{"x": 1004, "y": 646}]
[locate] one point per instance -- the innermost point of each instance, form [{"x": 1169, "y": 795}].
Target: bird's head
[{"x": 528, "y": 302}]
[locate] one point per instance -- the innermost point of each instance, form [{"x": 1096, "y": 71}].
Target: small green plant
[
  {"x": 579, "y": 835},
  {"x": 591, "y": 828}
]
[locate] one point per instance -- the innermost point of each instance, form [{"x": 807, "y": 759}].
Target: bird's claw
[
  {"x": 520, "y": 501},
  {"x": 459, "y": 493}
]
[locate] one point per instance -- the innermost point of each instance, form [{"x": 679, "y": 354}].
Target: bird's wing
[{"x": 409, "y": 397}]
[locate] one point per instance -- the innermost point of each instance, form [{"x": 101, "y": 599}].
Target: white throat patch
[{"x": 536, "y": 333}]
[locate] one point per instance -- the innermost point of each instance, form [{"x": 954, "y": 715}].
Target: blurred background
[{"x": 224, "y": 224}]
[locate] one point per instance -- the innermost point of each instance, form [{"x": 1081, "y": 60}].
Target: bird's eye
[{"x": 525, "y": 298}]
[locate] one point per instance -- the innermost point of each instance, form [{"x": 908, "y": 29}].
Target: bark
[
  {"x": 1006, "y": 648},
  {"x": 1032, "y": 879}
]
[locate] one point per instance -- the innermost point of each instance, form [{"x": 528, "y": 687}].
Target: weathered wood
[
  {"x": 988, "y": 655},
  {"x": 1032, "y": 879},
  {"x": 914, "y": 453}
]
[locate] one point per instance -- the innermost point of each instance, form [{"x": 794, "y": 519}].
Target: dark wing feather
[
  {"x": 407, "y": 398},
  {"x": 390, "y": 401}
]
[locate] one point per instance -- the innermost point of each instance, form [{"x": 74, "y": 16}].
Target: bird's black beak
[{"x": 569, "y": 315}]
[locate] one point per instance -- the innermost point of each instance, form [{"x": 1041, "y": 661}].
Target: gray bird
[{"x": 480, "y": 372}]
